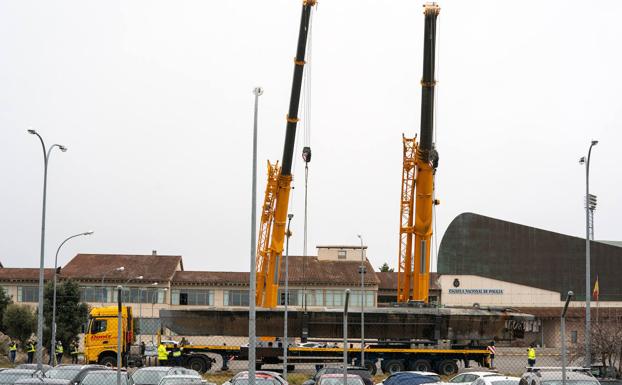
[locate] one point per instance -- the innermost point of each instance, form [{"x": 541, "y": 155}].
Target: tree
[
  {"x": 5, "y": 300},
  {"x": 20, "y": 321},
  {"x": 71, "y": 314},
  {"x": 386, "y": 269}
]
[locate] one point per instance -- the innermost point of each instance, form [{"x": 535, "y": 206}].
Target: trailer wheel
[
  {"x": 420, "y": 365},
  {"x": 447, "y": 368},
  {"x": 200, "y": 364},
  {"x": 394, "y": 366},
  {"x": 371, "y": 367}
]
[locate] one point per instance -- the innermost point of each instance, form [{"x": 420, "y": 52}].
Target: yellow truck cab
[{"x": 100, "y": 339}]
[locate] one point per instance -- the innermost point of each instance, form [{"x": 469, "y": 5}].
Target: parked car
[
  {"x": 260, "y": 379},
  {"x": 42, "y": 381},
  {"x": 180, "y": 379},
  {"x": 553, "y": 376},
  {"x": 9, "y": 376},
  {"x": 498, "y": 380},
  {"x": 73, "y": 373},
  {"x": 357, "y": 370},
  {"x": 153, "y": 374},
  {"x": 275, "y": 375},
  {"x": 337, "y": 379},
  {"x": 467, "y": 378},
  {"x": 411, "y": 378},
  {"x": 105, "y": 377},
  {"x": 44, "y": 367}
]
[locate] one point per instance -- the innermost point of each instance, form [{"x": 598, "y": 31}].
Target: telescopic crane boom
[
  {"x": 420, "y": 162},
  {"x": 276, "y": 201}
]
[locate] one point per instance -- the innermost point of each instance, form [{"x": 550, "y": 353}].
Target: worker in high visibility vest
[
  {"x": 162, "y": 355},
  {"x": 59, "y": 352},
  {"x": 492, "y": 350},
  {"x": 531, "y": 356},
  {"x": 75, "y": 352},
  {"x": 30, "y": 350},
  {"x": 176, "y": 353},
  {"x": 12, "y": 351}
]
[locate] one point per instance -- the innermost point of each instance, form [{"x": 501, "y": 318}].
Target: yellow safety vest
[
  {"x": 31, "y": 348},
  {"x": 59, "y": 348},
  {"x": 162, "y": 353},
  {"x": 74, "y": 351},
  {"x": 176, "y": 353},
  {"x": 531, "y": 353},
  {"x": 13, "y": 347}
]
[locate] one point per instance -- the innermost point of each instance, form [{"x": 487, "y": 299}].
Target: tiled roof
[
  {"x": 153, "y": 268},
  {"x": 313, "y": 272},
  {"x": 388, "y": 281},
  {"x": 14, "y": 274}
]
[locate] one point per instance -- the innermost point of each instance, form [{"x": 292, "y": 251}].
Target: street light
[
  {"x": 588, "y": 281},
  {"x": 362, "y": 302},
  {"x": 46, "y": 158},
  {"x": 53, "y": 342},
  {"x": 120, "y": 268}
]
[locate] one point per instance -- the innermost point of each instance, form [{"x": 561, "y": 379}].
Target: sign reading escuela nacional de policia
[{"x": 476, "y": 291}]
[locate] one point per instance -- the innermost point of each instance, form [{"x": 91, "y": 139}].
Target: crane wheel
[
  {"x": 447, "y": 368},
  {"x": 394, "y": 366},
  {"x": 420, "y": 365}
]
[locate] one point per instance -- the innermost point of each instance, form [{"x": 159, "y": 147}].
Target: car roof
[
  {"x": 501, "y": 377},
  {"x": 19, "y": 370},
  {"x": 155, "y": 368},
  {"x": 181, "y": 376},
  {"x": 482, "y": 374},
  {"x": 43, "y": 380},
  {"x": 336, "y": 375},
  {"x": 571, "y": 375},
  {"x": 98, "y": 371}
]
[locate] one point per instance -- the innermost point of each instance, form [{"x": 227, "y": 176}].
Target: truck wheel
[
  {"x": 447, "y": 368},
  {"x": 109, "y": 361},
  {"x": 420, "y": 365},
  {"x": 394, "y": 366},
  {"x": 199, "y": 364},
  {"x": 371, "y": 367}
]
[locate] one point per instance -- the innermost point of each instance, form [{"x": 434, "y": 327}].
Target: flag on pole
[{"x": 596, "y": 290}]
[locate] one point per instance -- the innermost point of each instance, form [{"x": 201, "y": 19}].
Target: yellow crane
[
  {"x": 276, "y": 200},
  {"x": 417, "y": 195}
]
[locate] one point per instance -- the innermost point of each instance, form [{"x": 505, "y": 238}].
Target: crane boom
[
  {"x": 420, "y": 162},
  {"x": 269, "y": 255}
]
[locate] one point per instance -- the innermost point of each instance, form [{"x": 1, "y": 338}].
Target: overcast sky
[{"x": 154, "y": 100}]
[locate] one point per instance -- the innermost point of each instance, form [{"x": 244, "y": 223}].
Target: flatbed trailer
[{"x": 390, "y": 359}]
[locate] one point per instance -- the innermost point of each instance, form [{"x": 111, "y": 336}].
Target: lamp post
[
  {"x": 46, "y": 158},
  {"x": 588, "y": 360},
  {"x": 252, "y": 311},
  {"x": 362, "y": 302},
  {"x": 563, "y": 327},
  {"x": 53, "y": 341},
  {"x": 120, "y": 268}
]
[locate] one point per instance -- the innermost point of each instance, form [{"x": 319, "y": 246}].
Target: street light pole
[
  {"x": 252, "y": 311},
  {"x": 46, "y": 158},
  {"x": 563, "y": 327},
  {"x": 588, "y": 281},
  {"x": 362, "y": 302},
  {"x": 53, "y": 341}
]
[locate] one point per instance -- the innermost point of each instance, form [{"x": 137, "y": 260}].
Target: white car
[
  {"x": 181, "y": 379},
  {"x": 496, "y": 380},
  {"x": 469, "y": 377}
]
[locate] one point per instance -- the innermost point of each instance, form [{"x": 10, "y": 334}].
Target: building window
[
  {"x": 294, "y": 298},
  {"x": 334, "y": 298},
  {"x": 355, "y": 298},
  {"x": 140, "y": 295},
  {"x": 27, "y": 294},
  {"x": 95, "y": 294},
  {"x": 342, "y": 254},
  {"x": 573, "y": 336},
  {"x": 192, "y": 297},
  {"x": 236, "y": 298}
]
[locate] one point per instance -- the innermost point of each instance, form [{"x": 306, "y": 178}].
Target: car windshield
[
  {"x": 258, "y": 381},
  {"x": 62, "y": 373},
  {"x": 180, "y": 380},
  {"x": 10, "y": 378},
  {"x": 148, "y": 377},
  {"x": 339, "y": 381},
  {"x": 103, "y": 379},
  {"x": 571, "y": 382}
]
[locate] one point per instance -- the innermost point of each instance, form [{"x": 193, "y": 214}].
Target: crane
[
  {"x": 420, "y": 161},
  {"x": 276, "y": 200}
]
